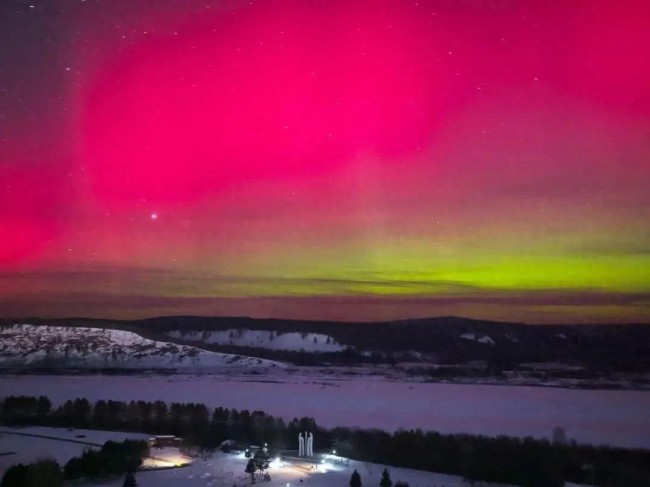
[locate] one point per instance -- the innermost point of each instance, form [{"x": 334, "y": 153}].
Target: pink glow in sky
[{"x": 305, "y": 158}]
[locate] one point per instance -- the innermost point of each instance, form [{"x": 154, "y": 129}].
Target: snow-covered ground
[
  {"x": 27, "y": 449},
  {"x": 22, "y": 345},
  {"x": 614, "y": 417},
  {"x": 273, "y": 340},
  {"x": 228, "y": 469}
]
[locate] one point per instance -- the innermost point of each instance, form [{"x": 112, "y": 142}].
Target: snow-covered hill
[
  {"x": 269, "y": 339},
  {"x": 96, "y": 347}
]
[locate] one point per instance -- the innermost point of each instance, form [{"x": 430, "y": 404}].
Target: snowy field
[
  {"x": 615, "y": 417},
  {"x": 228, "y": 469},
  {"x": 28, "y": 448}
]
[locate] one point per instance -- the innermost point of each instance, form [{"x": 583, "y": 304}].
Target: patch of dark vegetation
[
  {"x": 43, "y": 472},
  {"x": 114, "y": 458}
]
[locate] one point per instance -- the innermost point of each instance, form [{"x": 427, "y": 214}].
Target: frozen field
[
  {"x": 617, "y": 418},
  {"x": 28, "y": 448}
]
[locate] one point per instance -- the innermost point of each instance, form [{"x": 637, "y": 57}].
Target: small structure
[
  {"x": 163, "y": 441},
  {"x": 305, "y": 445}
]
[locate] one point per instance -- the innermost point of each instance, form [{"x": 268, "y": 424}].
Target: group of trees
[
  {"x": 516, "y": 461},
  {"x": 43, "y": 472},
  {"x": 259, "y": 461},
  {"x": 112, "y": 459},
  {"x": 25, "y": 407},
  {"x": 355, "y": 480},
  {"x": 526, "y": 462},
  {"x": 199, "y": 426}
]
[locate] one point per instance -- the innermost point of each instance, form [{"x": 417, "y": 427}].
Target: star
[{"x": 154, "y": 216}]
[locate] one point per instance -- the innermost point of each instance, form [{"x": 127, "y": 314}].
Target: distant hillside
[
  {"x": 441, "y": 340},
  {"x": 58, "y": 346}
]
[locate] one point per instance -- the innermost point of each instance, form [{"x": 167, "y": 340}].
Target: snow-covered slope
[
  {"x": 97, "y": 347},
  {"x": 273, "y": 340}
]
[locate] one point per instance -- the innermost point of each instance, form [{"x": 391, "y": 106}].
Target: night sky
[{"x": 338, "y": 159}]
